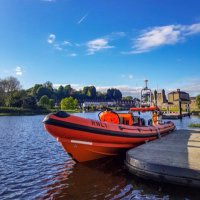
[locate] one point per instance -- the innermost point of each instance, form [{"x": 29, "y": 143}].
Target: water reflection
[
  {"x": 34, "y": 166},
  {"x": 108, "y": 179}
]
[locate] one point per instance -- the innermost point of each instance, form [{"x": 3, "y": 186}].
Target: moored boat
[{"x": 88, "y": 139}]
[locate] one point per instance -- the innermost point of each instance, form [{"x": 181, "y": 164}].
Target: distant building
[
  {"x": 95, "y": 103},
  {"x": 161, "y": 98},
  {"x": 127, "y": 103},
  {"x": 173, "y": 100},
  {"x": 179, "y": 96},
  {"x": 193, "y": 104},
  {"x": 176, "y": 96}
]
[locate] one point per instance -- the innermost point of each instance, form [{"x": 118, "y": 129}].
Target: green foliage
[
  {"x": 51, "y": 103},
  {"x": 198, "y": 101},
  {"x": 68, "y": 90},
  {"x": 44, "y": 96},
  {"x": 89, "y": 92},
  {"x": 17, "y": 99},
  {"x": 192, "y": 125},
  {"x": 114, "y": 94},
  {"x": 44, "y": 101},
  {"x": 29, "y": 102},
  {"x": 127, "y": 98},
  {"x": 61, "y": 93},
  {"x": 8, "y": 87},
  {"x": 21, "y": 111},
  {"x": 68, "y": 103},
  {"x": 48, "y": 85},
  {"x": 41, "y": 91},
  {"x": 34, "y": 89}
]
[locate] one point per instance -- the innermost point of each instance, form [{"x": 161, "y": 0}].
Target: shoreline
[{"x": 33, "y": 112}]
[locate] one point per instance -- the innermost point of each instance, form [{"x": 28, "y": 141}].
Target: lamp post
[{"x": 179, "y": 103}]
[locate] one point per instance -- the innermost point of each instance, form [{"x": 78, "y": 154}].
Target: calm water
[{"x": 34, "y": 166}]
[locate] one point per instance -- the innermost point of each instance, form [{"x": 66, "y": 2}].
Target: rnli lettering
[{"x": 99, "y": 124}]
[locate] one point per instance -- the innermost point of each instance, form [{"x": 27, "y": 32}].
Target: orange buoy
[{"x": 109, "y": 116}]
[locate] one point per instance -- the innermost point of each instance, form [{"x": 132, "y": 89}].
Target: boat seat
[
  {"x": 126, "y": 118},
  {"x": 136, "y": 120},
  {"x": 121, "y": 120}
]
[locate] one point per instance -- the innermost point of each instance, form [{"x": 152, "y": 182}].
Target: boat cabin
[{"x": 129, "y": 118}]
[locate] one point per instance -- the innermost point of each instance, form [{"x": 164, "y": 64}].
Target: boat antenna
[
  {"x": 146, "y": 81},
  {"x": 146, "y": 99}
]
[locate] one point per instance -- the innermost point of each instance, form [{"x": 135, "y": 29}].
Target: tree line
[{"x": 45, "y": 95}]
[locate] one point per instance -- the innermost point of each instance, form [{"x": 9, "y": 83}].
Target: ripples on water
[{"x": 34, "y": 166}]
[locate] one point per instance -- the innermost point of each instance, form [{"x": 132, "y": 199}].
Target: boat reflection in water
[
  {"x": 106, "y": 178},
  {"x": 99, "y": 179}
]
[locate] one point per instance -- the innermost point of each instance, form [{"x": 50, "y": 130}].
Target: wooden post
[
  {"x": 179, "y": 103},
  {"x": 180, "y": 108}
]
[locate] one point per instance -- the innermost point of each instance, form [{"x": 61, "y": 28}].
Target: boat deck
[{"x": 174, "y": 158}]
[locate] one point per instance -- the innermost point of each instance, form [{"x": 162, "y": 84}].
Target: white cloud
[
  {"x": 115, "y": 35},
  {"x": 97, "y": 45},
  {"x": 82, "y": 19},
  {"x": 51, "y": 38},
  {"x": 193, "y": 29},
  {"x": 67, "y": 43},
  {"x": 162, "y": 35},
  {"x": 18, "y": 71},
  {"x": 130, "y": 76},
  {"x": 58, "y": 47},
  {"x": 190, "y": 85},
  {"x": 72, "y": 54}
]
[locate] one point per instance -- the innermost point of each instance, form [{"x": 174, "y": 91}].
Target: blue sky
[{"x": 102, "y": 43}]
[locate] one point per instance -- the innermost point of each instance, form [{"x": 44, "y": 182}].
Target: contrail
[{"x": 82, "y": 18}]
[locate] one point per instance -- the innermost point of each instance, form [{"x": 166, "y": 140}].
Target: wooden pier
[
  {"x": 174, "y": 158},
  {"x": 175, "y": 115}
]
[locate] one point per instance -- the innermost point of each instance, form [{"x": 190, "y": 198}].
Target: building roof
[
  {"x": 173, "y": 92},
  {"x": 182, "y": 99}
]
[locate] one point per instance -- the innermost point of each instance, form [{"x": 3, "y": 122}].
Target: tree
[
  {"x": 51, "y": 103},
  {"x": 7, "y": 88},
  {"x": 61, "y": 93},
  {"x": 85, "y": 90},
  {"x": 69, "y": 103},
  {"x": 35, "y": 88},
  {"x": 101, "y": 96},
  {"x": 29, "y": 102},
  {"x": 92, "y": 92},
  {"x": 68, "y": 90},
  {"x": 128, "y": 98},
  {"x": 44, "y": 101},
  {"x": 198, "y": 101},
  {"x": 114, "y": 94},
  {"x": 48, "y": 85},
  {"x": 17, "y": 99},
  {"x": 41, "y": 91}
]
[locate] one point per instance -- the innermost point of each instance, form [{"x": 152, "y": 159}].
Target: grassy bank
[
  {"x": 194, "y": 125},
  {"x": 14, "y": 111}
]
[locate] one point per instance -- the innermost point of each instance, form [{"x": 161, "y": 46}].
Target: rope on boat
[{"x": 159, "y": 136}]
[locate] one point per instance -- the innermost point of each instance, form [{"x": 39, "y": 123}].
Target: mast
[{"x": 146, "y": 96}]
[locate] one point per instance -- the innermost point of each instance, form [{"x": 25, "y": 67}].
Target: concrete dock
[{"x": 174, "y": 158}]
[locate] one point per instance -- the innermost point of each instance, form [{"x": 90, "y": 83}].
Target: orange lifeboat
[{"x": 88, "y": 139}]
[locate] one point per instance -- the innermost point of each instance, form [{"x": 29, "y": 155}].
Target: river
[{"x": 33, "y": 165}]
